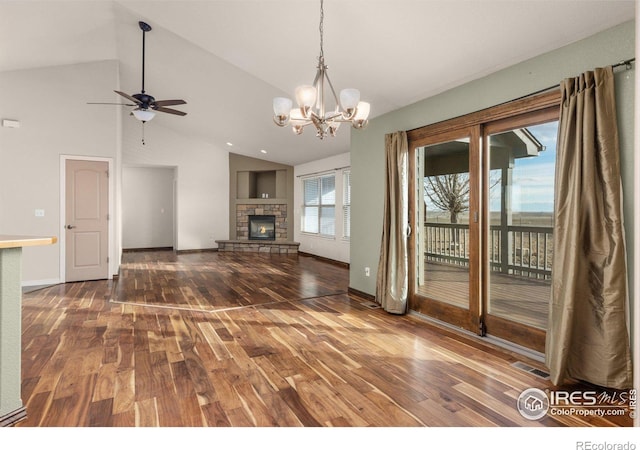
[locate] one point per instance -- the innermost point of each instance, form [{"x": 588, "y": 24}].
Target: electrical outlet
[{"x": 367, "y": 272}]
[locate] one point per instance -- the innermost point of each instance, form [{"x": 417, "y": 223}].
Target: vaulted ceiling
[{"x": 228, "y": 59}]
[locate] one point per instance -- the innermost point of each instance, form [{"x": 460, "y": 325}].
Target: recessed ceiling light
[
  {"x": 229, "y": 144},
  {"x": 263, "y": 151}
]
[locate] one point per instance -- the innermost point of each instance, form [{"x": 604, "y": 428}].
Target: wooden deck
[{"x": 521, "y": 299}]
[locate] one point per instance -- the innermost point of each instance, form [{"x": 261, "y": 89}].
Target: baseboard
[
  {"x": 197, "y": 250},
  {"x": 49, "y": 282},
  {"x": 328, "y": 260},
  {"x": 147, "y": 249},
  {"x": 13, "y": 417},
  {"x": 361, "y": 294}
]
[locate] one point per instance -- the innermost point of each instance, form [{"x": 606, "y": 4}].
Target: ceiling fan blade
[
  {"x": 128, "y": 97},
  {"x": 120, "y": 104},
  {"x": 170, "y": 111},
  {"x": 169, "y": 102}
]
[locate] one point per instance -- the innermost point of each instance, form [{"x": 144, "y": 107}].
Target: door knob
[{"x": 68, "y": 227}]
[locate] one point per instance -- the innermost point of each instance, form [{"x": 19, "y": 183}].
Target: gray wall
[
  {"x": 147, "y": 207},
  {"x": 367, "y": 146}
]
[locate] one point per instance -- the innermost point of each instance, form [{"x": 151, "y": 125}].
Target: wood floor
[{"x": 251, "y": 340}]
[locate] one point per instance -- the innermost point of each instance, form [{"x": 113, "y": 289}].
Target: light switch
[{"x": 39, "y": 212}]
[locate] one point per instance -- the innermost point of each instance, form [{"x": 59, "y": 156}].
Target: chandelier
[{"x": 311, "y": 103}]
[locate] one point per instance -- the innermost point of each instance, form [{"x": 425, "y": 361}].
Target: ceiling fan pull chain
[{"x": 143, "y": 143}]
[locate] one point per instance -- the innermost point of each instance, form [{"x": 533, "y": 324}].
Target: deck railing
[{"x": 516, "y": 250}]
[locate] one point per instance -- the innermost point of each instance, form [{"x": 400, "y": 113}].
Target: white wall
[
  {"x": 55, "y": 120},
  {"x": 333, "y": 248},
  {"x": 202, "y": 177},
  {"x": 147, "y": 207}
]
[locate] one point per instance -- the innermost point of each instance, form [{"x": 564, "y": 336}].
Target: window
[
  {"x": 346, "y": 204},
  {"x": 318, "y": 211}
]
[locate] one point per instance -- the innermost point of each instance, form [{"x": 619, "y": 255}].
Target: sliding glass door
[
  {"x": 482, "y": 198},
  {"x": 445, "y": 222},
  {"x": 518, "y": 230}
]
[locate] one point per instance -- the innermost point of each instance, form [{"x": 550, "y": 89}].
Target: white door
[{"x": 87, "y": 220}]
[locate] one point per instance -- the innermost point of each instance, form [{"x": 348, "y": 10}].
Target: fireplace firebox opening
[{"x": 262, "y": 228}]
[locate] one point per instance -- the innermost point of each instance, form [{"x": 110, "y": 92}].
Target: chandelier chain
[{"x": 321, "y": 29}]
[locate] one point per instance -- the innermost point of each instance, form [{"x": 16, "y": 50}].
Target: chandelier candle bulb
[
  {"x": 349, "y": 99},
  {"x": 306, "y": 96},
  {"x": 362, "y": 114},
  {"x": 282, "y": 106},
  {"x": 281, "y": 109}
]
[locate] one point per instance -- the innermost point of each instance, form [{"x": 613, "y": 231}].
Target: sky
[
  {"x": 533, "y": 178},
  {"x": 532, "y": 188}
]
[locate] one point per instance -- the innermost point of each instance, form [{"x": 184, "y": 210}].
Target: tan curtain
[
  {"x": 587, "y": 336},
  {"x": 392, "y": 279}
]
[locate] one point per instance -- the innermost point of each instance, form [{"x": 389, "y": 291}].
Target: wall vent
[
  {"x": 370, "y": 305},
  {"x": 527, "y": 368}
]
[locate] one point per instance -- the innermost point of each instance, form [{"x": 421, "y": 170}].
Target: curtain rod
[
  {"x": 626, "y": 63},
  {"x": 322, "y": 171}
]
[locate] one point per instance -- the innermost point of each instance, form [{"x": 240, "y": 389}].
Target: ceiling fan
[{"x": 146, "y": 105}]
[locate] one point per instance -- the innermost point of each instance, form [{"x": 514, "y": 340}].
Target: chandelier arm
[
  {"x": 337, "y": 117},
  {"x": 335, "y": 97},
  {"x": 317, "y": 122},
  {"x": 303, "y": 122},
  {"x": 320, "y": 90},
  {"x": 321, "y": 68}
]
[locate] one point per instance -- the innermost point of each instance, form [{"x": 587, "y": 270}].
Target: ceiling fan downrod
[{"x": 144, "y": 27}]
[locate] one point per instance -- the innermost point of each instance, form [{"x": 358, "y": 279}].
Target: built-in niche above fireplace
[{"x": 262, "y": 227}]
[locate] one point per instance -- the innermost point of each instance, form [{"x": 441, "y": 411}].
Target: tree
[{"x": 448, "y": 192}]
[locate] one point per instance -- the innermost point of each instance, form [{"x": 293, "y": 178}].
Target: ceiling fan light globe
[{"x": 143, "y": 115}]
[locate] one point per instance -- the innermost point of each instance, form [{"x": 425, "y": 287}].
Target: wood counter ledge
[{"x": 13, "y": 241}]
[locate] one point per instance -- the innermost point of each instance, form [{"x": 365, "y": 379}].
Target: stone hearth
[{"x": 245, "y": 245}]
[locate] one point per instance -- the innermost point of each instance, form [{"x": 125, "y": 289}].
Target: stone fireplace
[
  {"x": 259, "y": 188},
  {"x": 278, "y": 211},
  {"x": 277, "y": 240}
]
